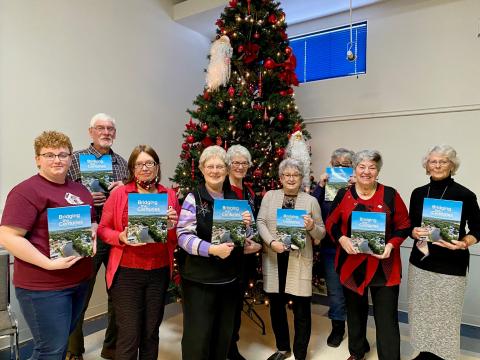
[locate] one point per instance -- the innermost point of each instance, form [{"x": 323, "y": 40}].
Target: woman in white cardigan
[{"x": 287, "y": 273}]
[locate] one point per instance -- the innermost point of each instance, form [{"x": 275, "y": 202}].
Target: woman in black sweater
[{"x": 437, "y": 271}]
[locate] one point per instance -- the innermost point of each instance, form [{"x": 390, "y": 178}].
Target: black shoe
[
  {"x": 234, "y": 354},
  {"x": 336, "y": 336},
  {"x": 277, "y": 355},
  {"x": 426, "y": 356}
]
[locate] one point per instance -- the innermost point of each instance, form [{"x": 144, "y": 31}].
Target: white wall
[
  {"x": 63, "y": 61},
  {"x": 421, "y": 88}
]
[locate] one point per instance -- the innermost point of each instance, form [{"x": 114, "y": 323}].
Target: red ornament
[
  {"x": 251, "y": 52},
  {"x": 231, "y": 117},
  {"x": 251, "y": 88},
  {"x": 207, "y": 142},
  {"x": 257, "y": 173},
  {"x": 231, "y": 91},
  {"x": 206, "y": 95},
  {"x": 191, "y": 125},
  {"x": 219, "y": 140},
  {"x": 288, "y": 50},
  {"x": 280, "y": 117},
  {"x": 272, "y": 19},
  {"x": 280, "y": 152},
  {"x": 185, "y": 146},
  {"x": 204, "y": 127},
  {"x": 297, "y": 127},
  {"x": 290, "y": 91},
  {"x": 190, "y": 139},
  {"x": 220, "y": 105},
  {"x": 233, "y": 3},
  {"x": 220, "y": 23},
  {"x": 283, "y": 92},
  {"x": 269, "y": 64},
  {"x": 265, "y": 115},
  {"x": 256, "y": 35},
  {"x": 248, "y": 125},
  {"x": 284, "y": 35},
  {"x": 241, "y": 48}
]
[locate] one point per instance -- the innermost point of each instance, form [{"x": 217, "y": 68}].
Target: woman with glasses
[
  {"x": 51, "y": 292},
  {"x": 210, "y": 273},
  {"x": 138, "y": 274},
  {"x": 239, "y": 161},
  {"x": 287, "y": 273},
  {"x": 359, "y": 268},
  {"x": 437, "y": 275},
  {"x": 341, "y": 157}
]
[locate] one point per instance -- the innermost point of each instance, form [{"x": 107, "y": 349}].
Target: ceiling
[{"x": 200, "y": 15}]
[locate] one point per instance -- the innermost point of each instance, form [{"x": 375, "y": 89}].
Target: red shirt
[{"x": 26, "y": 208}]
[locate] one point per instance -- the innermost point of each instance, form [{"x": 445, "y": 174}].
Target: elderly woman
[
  {"x": 360, "y": 272},
  {"x": 437, "y": 274},
  {"x": 51, "y": 292},
  {"x": 210, "y": 273},
  {"x": 238, "y": 162},
  {"x": 138, "y": 274},
  {"x": 341, "y": 157},
  {"x": 287, "y": 275}
]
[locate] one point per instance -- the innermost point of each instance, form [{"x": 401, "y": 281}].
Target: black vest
[{"x": 212, "y": 269}]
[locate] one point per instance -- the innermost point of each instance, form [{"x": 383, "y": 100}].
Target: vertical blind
[{"x": 323, "y": 54}]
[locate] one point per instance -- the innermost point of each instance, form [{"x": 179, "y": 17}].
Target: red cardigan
[
  {"x": 111, "y": 226},
  {"x": 357, "y": 271}
]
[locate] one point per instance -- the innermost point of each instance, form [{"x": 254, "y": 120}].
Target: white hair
[
  {"x": 212, "y": 152},
  {"x": 101, "y": 116},
  {"x": 443, "y": 150},
  {"x": 238, "y": 150}
]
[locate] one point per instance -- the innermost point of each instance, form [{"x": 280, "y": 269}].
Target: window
[{"x": 323, "y": 55}]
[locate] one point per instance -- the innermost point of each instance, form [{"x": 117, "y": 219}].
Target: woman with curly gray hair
[{"x": 437, "y": 272}]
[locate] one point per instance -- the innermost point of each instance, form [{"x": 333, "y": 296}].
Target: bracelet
[{"x": 270, "y": 245}]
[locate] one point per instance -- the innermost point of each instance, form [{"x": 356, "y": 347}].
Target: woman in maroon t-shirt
[{"x": 51, "y": 292}]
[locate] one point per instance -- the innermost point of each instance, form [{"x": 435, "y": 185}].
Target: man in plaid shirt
[{"x": 102, "y": 131}]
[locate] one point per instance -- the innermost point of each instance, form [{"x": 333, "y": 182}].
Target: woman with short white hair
[{"x": 437, "y": 275}]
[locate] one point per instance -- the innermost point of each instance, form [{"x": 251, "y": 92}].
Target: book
[
  {"x": 442, "y": 219},
  {"x": 338, "y": 178},
  {"x": 368, "y": 232},
  {"x": 228, "y": 223},
  {"x": 70, "y": 231},
  {"x": 96, "y": 173},
  {"x": 147, "y": 218},
  {"x": 291, "y": 228}
]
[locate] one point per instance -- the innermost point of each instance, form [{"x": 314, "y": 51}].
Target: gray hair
[
  {"x": 342, "y": 152},
  {"x": 211, "y": 152},
  {"x": 443, "y": 150},
  {"x": 369, "y": 155},
  {"x": 291, "y": 163},
  {"x": 238, "y": 150},
  {"x": 101, "y": 116}
]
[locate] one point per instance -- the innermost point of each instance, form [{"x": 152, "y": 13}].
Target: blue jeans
[
  {"x": 51, "y": 316},
  {"x": 336, "y": 299}
]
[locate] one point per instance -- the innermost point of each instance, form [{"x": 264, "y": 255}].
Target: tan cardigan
[{"x": 300, "y": 262}]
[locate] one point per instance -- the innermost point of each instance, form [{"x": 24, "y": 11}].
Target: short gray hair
[
  {"x": 211, "y": 152},
  {"x": 342, "y": 152},
  {"x": 101, "y": 116},
  {"x": 443, "y": 150},
  {"x": 291, "y": 163},
  {"x": 369, "y": 155},
  {"x": 238, "y": 150}
]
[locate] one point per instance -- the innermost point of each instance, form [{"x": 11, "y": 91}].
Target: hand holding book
[
  {"x": 386, "y": 252},
  {"x": 222, "y": 250},
  {"x": 123, "y": 238}
]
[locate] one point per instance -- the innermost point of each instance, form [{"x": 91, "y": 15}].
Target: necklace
[
  {"x": 441, "y": 197},
  {"x": 367, "y": 193}
]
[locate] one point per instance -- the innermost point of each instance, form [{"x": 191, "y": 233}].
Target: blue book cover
[
  {"x": 368, "y": 232},
  {"x": 228, "y": 223},
  {"x": 442, "y": 219},
  {"x": 70, "y": 231},
  {"x": 338, "y": 178},
  {"x": 147, "y": 218},
  {"x": 96, "y": 173},
  {"x": 291, "y": 228}
]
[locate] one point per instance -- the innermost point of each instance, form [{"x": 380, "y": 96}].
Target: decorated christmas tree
[{"x": 248, "y": 97}]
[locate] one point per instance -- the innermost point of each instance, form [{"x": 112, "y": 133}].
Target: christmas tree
[{"x": 248, "y": 98}]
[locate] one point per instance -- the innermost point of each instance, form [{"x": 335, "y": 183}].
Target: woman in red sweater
[
  {"x": 138, "y": 274},
  {"x": 359, "y": 271}
]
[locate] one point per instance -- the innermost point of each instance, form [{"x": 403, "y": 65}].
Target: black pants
[
  {"x": 75, "y": 341},
  {"x": 385, "y": 313},
  {"x": 208, "y": 316},
  {"x": 139, "y": 300}
]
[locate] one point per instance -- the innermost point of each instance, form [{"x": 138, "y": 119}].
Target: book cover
[
  {"x": 70, "y": 231},
  {"x": 96, "y": 174},
  {"x": 442, "y": 219},
  {"x": 368, "y": 232},
  {"x": 291, "y": 228},
  {"x": 338, "y": 178},
  {"x": 147, "y": 218},
  {"x": 228, "y": 224}
]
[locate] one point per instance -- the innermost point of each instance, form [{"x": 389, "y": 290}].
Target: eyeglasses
[
  {"x": 100, "y": 128},
  {"x": 148, "y": 164},
  {"x": 441, "y": 163},
  {"x": 291, "y": 176},
  {"x": 215, "y": 167},
  {"x": 63, "y": 156},
  {"x": 337, "y": 164},
  {"x": 240, "y": 163}
]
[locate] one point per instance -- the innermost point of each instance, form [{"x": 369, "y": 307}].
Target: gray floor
[{"x": 255, "y": 346}]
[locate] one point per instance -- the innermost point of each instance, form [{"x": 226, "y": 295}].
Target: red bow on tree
[
  {"x": 288, "y": 74},
  {"x": 251, "y": 52},
  {"x": 191, "y": 125}
]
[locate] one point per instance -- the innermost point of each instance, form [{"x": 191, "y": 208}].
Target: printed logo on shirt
[{"x": 73, "y": 199}]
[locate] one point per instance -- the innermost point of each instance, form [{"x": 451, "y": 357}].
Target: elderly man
[{"x": 102, "y": 131}]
